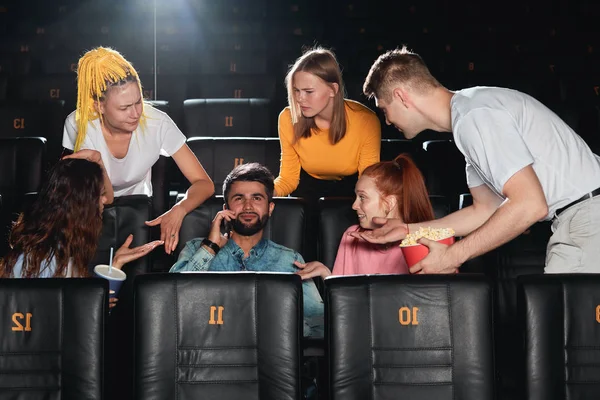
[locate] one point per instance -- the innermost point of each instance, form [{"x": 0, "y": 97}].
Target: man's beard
[{"x": 248, "y": 230}]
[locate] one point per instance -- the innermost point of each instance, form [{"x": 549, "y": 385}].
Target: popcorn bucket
[{"x": 415, "y": 253}]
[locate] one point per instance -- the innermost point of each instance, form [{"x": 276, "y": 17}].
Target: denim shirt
[{"x": 265, "y": 256}]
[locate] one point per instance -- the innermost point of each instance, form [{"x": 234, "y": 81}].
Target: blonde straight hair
[{"x": 323, "y": 64}]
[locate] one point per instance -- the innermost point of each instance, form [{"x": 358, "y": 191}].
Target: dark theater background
[{"x": 217, "y": 68}]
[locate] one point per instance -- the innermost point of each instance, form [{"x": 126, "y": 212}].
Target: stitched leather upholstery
[
  {"x": 21, "y": 171},
  {"x": 336, "y": 215},
  {"x": 189, "y": 348},
  {"x": 410, "y": 337},
  {"x": 560, "y": 321},
  {"x": 52, "y": 341},
  {"x": 125, "y": 216}
]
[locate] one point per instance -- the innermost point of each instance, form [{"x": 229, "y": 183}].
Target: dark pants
[{"x": 311, "y": 190}]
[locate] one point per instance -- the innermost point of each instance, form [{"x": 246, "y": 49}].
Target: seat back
[
  {"x": 410, "y": 337},
  {"x": 160, "y": 184},
  {"x": 21, "y": 164},
  {"x": 230, "y": 62},
  {"x": 236, "y": 86},
  {"x": 21, "y": 171},
  {"x": 35, "y": 119},
  {"x": 3, "y": 85},
  {"x": 441, "y": 205},
  {"x": 335, "y": 216},
  {"x": 285, "y": 226},
  {"x": 444, "y": 170},
  {"x": 161, "y": 170},
  {"x": 161, "y": 105},
  {"x": 227, "y": 117},
  {"x": 51, "y": 88},
  {"x": 559, "y": 317},
  {"x": 218, "y": 336},
  {"x": 392, "y": 148},
  {"x": 524, "y": 255},
  {"x": 219, "y": 155},
  {"x": 53, "y": 338},
  {"x": 126, "y": 215}
]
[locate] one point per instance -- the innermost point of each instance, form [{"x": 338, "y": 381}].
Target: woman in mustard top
[{"x": 326, "y": 140}]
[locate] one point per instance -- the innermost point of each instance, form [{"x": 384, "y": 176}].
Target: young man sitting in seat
[{"x": 248, "y": 194}]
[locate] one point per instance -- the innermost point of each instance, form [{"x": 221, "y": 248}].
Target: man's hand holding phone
[{"x": 215, "y": 235}]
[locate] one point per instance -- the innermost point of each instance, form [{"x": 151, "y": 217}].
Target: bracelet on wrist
[{"x": 211, "y": 245}]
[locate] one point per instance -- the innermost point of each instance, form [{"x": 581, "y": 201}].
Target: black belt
[{"x": 586, "y": 196}]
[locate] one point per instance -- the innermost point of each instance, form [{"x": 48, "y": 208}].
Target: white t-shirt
[
  {"x": 131, "y": 174},
  {"x": 47, "y": 268},
  {"x": 500, "y": 131}
]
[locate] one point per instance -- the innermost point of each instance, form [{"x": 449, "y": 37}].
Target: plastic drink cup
[{"x": 115, "y": 278}]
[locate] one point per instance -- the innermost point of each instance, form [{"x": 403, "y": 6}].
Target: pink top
[{"x": 357, "y": 257}]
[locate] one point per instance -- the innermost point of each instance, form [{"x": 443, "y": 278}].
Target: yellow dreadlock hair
[{"x": 97, "y": 69}]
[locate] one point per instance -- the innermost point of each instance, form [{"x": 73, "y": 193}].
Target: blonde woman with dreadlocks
[{"x": 113, "y": 127}]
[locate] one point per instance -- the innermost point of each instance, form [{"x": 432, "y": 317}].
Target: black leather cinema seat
[
  {"x": 219, "y": 155},
  {"x": 560, "y": 320},
  {"x": 21, "y": 171},
  {"x": 21, "y": 164},
  {"x": 524, "y": 255},
  {"x": 285, "y": 227},
  {"x": 218, "y": 336},
  {"x": 51, "y": 87},
  {"x": 3, "y": 86},
  {"x": 227, "y": 117},
  {"x": 161, "y": 105},
  {"x": 52, "y": 338},
  {"x": 444, "y": 169},
  {"x": 227, "y": 86},
  {"x": 125, "y": 216},
  {"x": 336, "y": 215},
  {"x": 230, "y": 62},
  {"x": 35, "y": 119},
  {"x": 410, "y": 337},
  {"x": 392, "y": 148},
  {"x": 441, "y": 205}
]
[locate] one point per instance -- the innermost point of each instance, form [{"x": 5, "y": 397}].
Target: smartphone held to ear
[{"x": 225, "y": 226}]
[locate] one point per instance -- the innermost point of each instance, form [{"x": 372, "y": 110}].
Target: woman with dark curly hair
[{"x": 57, "y": 236}]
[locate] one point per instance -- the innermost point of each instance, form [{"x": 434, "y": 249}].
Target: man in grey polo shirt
[{"x": 524, "y": 164}]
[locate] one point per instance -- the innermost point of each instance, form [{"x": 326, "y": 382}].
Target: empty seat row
[
  {"x": 231, "y": 336},
  {"x": 235, "y": 82},
  {"x": 227, "y": 117},
  {"x": 236, "y": 57},
  {"x": 64, "y": 87}
]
